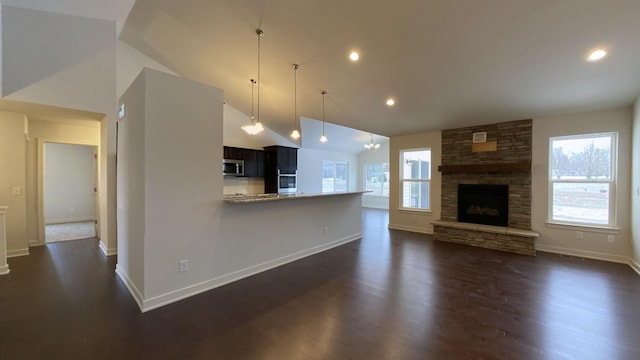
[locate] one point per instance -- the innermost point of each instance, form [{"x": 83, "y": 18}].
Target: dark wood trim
[{"x": 523, "y": 166}]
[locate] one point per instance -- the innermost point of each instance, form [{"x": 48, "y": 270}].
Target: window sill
[
  {"x": 418, "y": 211},
  {"x": 590, "y": 228}
]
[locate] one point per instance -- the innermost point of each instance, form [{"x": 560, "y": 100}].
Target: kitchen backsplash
[{"x": 242, "y": 185}]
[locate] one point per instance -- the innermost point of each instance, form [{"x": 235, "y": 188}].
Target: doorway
[{"x": 68, "y": 191}]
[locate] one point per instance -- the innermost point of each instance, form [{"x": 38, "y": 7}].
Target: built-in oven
[
  {"x": 287, "y": 183},
  {"x": 232, "y": 167}
]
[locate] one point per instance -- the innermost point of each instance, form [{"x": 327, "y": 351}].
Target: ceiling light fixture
[
  {"x": 596, "y": 55},
  {"x": 323, "y": 138},
  {"x": 390, "y": 102},
  {"x": 256, "y": 125},
  {"x": 295, "y": 134},
  {"x": 354, "y": 56},
  {"x": 252, "y": 128},
  {"x": 371, "y": 146}
]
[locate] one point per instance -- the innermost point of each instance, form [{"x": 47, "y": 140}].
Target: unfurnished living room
[{"x": 267, "y": 179}]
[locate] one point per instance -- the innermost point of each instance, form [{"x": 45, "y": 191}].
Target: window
[
  {"x": 335, "y": 175},
  {"x": 582, "y": 179},
  {"x": 376, "y": 179},
  {"x": 415, "y": 175}
]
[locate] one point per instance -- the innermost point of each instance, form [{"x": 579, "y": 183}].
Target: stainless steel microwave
[
  {"x": 287, "y": 183},
  {"x": 232, "y": 167}
]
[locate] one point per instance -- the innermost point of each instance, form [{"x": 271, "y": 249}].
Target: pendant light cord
[{"x": 260, "y": 33}]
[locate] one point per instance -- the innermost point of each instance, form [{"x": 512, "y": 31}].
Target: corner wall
[
  {"x": 561, "y": 238},
  {"x": 413, "y": 220},
  {"x": 12, "y": 175},
  {"x": 635, "y": 188}
]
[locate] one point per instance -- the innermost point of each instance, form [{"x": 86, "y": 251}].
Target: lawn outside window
[{"x": 582, "y": 179}]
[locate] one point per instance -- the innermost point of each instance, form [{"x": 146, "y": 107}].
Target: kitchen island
[{"x": 254, "y": 198}]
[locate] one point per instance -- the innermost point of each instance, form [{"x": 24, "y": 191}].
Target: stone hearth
[{"x": 506, "y": 161}]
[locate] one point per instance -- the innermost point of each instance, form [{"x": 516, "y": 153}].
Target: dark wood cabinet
[
  {"x": 281, "y": 157},
  {"x": 276, "y": 158},
  {"x": 253, "y": 160}
]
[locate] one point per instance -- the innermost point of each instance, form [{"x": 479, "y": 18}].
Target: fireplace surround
[{"x": 507, "y": 165}]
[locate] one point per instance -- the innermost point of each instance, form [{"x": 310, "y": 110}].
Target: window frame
[
  {"x": 421, "y": 180},
  {"x": 612, "y": 182},
  {"x": 335, "y": 162},
  {"x": 365, "y": 177}
]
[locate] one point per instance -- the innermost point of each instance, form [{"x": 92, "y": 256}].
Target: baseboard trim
[
  {"x": 634, "y": 265},
  {"x": 4, "y": 270},
  {"x": 137, "y": 296},
  {"x": 411, "y": 229},
  {"x": 34, "y": 243},
  {"x": 70, "y": 220},
  {"x": 173, "y": 296},
  {"x": 16, "y": 253},
  {"x": 105, "y": 251},
  {"x": 583, "y": 253}
]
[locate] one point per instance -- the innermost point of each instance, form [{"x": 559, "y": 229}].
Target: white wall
[
  {"x": 70, "y": 62},
  {"x": 635, "y": 188},
  {"x": 12, "y": 174},
  {"x": 376, "y": 157},
  {"x": 130, "y": 63},
  {"x": 170, "y": 200},
  {"x": 414, "y": 220},
  {"x": 310, "y": 169},
  {"x": 69, "y": 179},
  {"x": 562, "y": 239}
]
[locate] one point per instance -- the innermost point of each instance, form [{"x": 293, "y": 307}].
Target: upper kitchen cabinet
[
  {"x": 281, "y": 158},
  {"x": 253, "y": 160}
]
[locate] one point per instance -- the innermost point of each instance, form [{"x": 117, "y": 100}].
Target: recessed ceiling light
[
  {"x": 390, "y": 102},
  {"x": 596, "y": 55},
  {"x": 354, "y": 56}
]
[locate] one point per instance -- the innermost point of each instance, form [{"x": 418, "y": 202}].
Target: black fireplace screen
[{"x": 483, "y": 204}]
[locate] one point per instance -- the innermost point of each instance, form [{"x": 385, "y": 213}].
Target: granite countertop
[{"x": 254, "y": 198}]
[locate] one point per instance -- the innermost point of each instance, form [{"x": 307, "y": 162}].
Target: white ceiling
[{"x": 449, "y": 63}]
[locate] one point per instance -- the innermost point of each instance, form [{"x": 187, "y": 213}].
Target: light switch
[{"x": 17, "y": 190}]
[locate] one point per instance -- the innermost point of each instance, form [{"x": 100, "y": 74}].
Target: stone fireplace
[{"x": 494, "y": 179}]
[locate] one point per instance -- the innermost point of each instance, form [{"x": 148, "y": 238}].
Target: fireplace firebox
[{"x": 483, "y": 204}]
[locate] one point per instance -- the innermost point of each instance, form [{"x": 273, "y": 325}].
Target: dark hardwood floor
[{"x": 392, "y": 295}]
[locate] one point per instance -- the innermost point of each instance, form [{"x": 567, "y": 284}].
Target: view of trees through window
[
  {"x": 415, "y": 176},
  {"x": 376, "y": 179},
  {"x": 335, "y": 175},
  {"x": 582, "y": 178}
]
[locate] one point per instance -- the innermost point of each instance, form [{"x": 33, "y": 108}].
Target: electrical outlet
[
  {"x": 16, "y": 191},
  {"x": 325, "y": 230},
  {"x": 611, "y": 238},
  {"x": 579, "y": 235},
  {"x": 184, "y": 265}
]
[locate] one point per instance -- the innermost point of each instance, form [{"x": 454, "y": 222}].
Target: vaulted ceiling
[{"x": 448, "y": 63}]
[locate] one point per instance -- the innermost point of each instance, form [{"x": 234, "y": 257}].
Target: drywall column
[{"x": 4, "y": 267}]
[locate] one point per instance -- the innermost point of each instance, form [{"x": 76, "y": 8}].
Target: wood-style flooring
[{"x": 391, "y": 295}]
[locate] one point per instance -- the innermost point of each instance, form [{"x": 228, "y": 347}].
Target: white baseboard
[
  {"x": 34, "y": 243},
  {"x": 634, "y": 265},
  {"x": 70, "y": 220},
  {"x": 583, "y": 253},
  {"x": 4, "y": 270},
  {"x": 105, "y": 251},
  {"x": 173, "y": 296},
  {"x": 19, "y": 252},
  {"x": 411, "y": 229},
  {"x": 137, "y": 296}
]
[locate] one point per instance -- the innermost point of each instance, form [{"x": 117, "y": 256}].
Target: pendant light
[
  {"x": 295, "y": 134},
  {"x": 251, "y": 129},
  {"x": 323, "y": 138},
  {"x": 256, "y": 125},
  {"x": 371, "y": 146}
]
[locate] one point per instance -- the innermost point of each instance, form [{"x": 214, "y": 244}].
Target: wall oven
[
  {"x": 231, "y": 167},
  {"x": 287, "y": 183}
]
